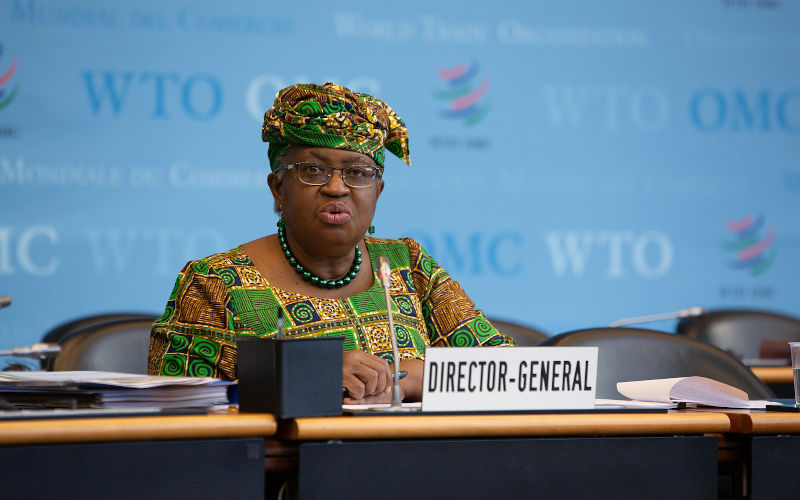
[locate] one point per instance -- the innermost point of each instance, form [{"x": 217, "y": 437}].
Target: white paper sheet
[
  {"x": 118, "y": 379},
  {"x": 694, "y": 390},
  {"x": 417, "y": 406}
]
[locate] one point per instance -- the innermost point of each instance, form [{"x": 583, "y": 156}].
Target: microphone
[
  {"x": 39, "y": 350},
  {"x": 681, "y": 313},
  {"x": 279, "y": 331},
  {"x": 5, "y": 301},
  {"x": 384, "y": 275}
]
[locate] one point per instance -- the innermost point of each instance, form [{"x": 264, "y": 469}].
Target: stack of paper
[
  {"x": 693, "y": 391},
  {"x": 83, "y": 389}
]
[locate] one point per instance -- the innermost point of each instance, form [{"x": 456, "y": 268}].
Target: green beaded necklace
[{"x": 312, "y": 278}]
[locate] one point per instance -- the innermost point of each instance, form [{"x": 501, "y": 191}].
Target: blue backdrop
[{"x": 573, "y": 163}]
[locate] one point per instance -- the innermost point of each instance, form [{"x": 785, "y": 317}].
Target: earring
[{"x": 371, "y": 230}]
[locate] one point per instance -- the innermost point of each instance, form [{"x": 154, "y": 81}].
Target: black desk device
[{"x": 290, "y": 378}]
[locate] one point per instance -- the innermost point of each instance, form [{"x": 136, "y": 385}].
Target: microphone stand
[
  {"x": 683, "y": 313},
  {"x": 384, "y": 274},
  {"x": 39, "y": 350}
]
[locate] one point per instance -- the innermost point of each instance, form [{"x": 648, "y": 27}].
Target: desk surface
[
  {"x": 136, "y": 428},
  {"x": 502, "y": 425}
]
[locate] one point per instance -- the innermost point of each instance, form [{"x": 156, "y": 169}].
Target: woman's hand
[
  {"x": 366, "y": 378},
  {"x": 375, "y": 368},
  {"x": 381, "y": 398},
  {"x": 411, "y": 386}
]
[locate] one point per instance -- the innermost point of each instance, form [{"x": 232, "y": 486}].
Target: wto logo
[
  {"x": 752, "y": 250},
  {"x": 7, "y": 97},
  {"x": 464, "y": 94}
]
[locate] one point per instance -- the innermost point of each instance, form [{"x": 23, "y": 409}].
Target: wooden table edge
[
  {"x": 462, "y": 426},
  {"x": 764, "y": 423},
  {"x": 37, "y": 431}
]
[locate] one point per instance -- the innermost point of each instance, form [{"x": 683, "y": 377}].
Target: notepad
[{"x": 690, "y": 390}]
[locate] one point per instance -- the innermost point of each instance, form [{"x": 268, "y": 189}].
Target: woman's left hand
[
  {"x": 365, "y": 375},
  {"x": 373, "y": 399},
  {"x": 410, "y": 387}
]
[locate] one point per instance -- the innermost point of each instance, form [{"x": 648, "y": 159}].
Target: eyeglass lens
[{"x": 318, "y": 174}]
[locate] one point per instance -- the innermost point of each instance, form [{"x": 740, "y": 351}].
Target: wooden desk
[
  {"x": 502, "y": 425},
  {"x": 774, "y": 374},
  {"x": 772, "y": 442},
  {"x": 778, "y": 378},
  {"x": 578, "y": 455},
  {"x": 610, "y": 455},
  {"x": 759, "y": 422},
  {"x": 93, "y": 430},
  {"x": 152, "y": 457}
]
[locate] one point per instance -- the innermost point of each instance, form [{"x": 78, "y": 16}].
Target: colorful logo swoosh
[
  {"x": 464, "y": 92},
  {"x": 750, "y": 245},
  {"x": 6, "y": 96}
]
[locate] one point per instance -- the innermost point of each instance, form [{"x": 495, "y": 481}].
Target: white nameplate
[{"x": 509, "y": 378}]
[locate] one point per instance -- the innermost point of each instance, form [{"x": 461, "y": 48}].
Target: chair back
[
  {"x": 55, "y": 334},
  {"x": 523, "y": 335},
  {"x": 626, "y": 354},
  {"x": 118, "y": 346},
  {"x": 745, "y": 334}
]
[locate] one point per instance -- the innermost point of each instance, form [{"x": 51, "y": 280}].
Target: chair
[
  {"x": 58, "y": 331},
  {"x": 55, "y": 334},
  {"x": 522, "y": 335},
  {"x": 637, "y": 354},
  {"x": 119, "y": 345},
  {"x": 745, "y": 334}
]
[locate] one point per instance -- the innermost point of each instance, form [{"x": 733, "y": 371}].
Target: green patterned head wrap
[{"x": 332, "y": 116}]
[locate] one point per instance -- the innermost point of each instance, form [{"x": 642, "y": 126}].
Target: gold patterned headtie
[{"x": 333, "y": 116}]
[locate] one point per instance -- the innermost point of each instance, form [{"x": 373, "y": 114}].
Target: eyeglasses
[{"x": 318, "y": 174}]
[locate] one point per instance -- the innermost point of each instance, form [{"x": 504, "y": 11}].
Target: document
[
  {"x": 129, "y": 380},
  {"x": 602, "y": 404},
  {"x": 379, "y": 406},
  {"x": 690, "y": 390},
  {"x": 93, "y": 389}
]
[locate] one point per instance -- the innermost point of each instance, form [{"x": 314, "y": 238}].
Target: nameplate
[{"x": 509, "y": 378}]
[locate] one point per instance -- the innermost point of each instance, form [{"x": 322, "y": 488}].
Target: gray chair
[
  {"x": 745, "y": 334},
  {"x": 523, "y": 335},
  {"x": 637, "y": 354},
  {"x": 118, "y": 346},
  {"x": 55, "y": 334}
]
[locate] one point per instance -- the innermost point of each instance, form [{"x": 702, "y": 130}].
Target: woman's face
[{"x": 332, "y": 213}]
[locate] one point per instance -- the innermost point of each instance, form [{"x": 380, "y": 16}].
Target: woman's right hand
[{"x": 365, "y": 375}]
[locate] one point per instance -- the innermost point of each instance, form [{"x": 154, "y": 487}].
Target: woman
[{"x": 326, "y": 152}]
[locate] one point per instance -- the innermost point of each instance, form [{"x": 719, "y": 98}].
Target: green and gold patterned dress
[{"x": 223, "y": 296}]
